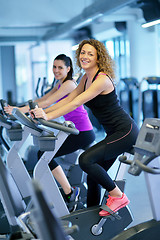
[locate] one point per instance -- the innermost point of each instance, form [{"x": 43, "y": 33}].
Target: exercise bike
[
  {"x": 91, "y": 225},
  {"x": 69, "y": 163},
  {"x": 146, "y": 158},
  {"x": 13, "y": 185}
]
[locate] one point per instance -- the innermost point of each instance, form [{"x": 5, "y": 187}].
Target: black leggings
[
  {"x": 72, "y": 144},
  {"x": 97, "y": 160}
]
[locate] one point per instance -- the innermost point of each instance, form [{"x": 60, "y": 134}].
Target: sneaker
[
  {"x": 73, "y": 198},
  {"x": 115, "y": 204}
]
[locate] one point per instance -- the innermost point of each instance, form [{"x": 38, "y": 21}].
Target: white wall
[
  {"x": 144, "y": 50},
  {"x": 144, "y": 47},
  {"x": 55, "y": 48},
  {"x": 33, "y": 61}
]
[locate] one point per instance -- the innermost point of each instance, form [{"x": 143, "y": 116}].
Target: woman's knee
[
  {"x": 83, "y": 161},
  {"x": 53, "y": 164}
]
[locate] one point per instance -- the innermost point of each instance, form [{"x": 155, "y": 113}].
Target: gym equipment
[
  {"x": 129, "y": 97},
  {"x": 43, "y": 174},
  {"x": 11, "y": 127},
  {"x": 2, "y": 140},
  {"x": 150, "y": 97},
  {"x": 73, "y": 172},
  {"x": 13, "y": 202},
  {"x": 31, "y": 154},
  {"x": 88, "y": 220},
  {"x": 14, "y": 206},
  {"x": 47, "y": 226},
  {"x": 4, "y": 146},
  {"x": 49, "y": 143},
  {"x": 44, "y": 88},
  {"x": 14, "y": 162},
  {"x": 18, "y": 135},
  {"x": 22, "y": 226},
  {"x": 4, "y": 104},
  {"x": 146, "y": 158},
  {"x": 37, "y": 87}
]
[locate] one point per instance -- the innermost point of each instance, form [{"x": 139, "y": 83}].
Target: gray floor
[{"x": 139, "y": 201}]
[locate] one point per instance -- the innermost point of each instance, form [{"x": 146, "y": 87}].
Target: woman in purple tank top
[{"x": 63, "y": 71}]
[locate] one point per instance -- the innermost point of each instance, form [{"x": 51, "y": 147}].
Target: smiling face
[
  {"x": 60, "y": 70},
  {"x": 88, "y": 57}
]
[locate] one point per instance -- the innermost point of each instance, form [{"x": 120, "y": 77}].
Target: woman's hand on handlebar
[
  {"x": 9, "y": 109},
  {"x": 38, "y": 113}
]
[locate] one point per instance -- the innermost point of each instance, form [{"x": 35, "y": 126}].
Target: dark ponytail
[{"x": 68, "y": 62}]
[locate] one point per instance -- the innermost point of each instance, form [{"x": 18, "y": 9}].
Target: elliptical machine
[{"x": 146, "y": 158}]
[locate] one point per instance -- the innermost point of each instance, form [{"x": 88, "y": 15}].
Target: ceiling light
[
  {"x": 75, "y": 47},
  {"x": 152, "y": 23}
]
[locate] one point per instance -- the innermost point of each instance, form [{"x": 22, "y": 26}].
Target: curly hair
[{"x": 105, "y": 62}]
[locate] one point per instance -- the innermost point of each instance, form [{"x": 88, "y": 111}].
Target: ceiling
[{"x": 36, "y": 20}]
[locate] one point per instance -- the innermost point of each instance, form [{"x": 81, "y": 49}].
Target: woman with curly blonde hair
[
  {"x": 97, "y": 91},
  {"x": 105, "y": 62}
]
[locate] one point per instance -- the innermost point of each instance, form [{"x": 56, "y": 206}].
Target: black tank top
[{"x": 107, "y": 110}]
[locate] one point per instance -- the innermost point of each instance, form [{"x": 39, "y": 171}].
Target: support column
[{"x": 7, "y": 74}]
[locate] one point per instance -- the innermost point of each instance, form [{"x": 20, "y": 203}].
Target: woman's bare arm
[
  {"x": 68, "y": 99},
  {"x": 78, "y": 97},
  {"x": 50, "y": 98},
  {"x": 65, "y": 89},
  {"x": 25, "y": 109}
]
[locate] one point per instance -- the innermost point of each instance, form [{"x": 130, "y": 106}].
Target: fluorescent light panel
[{"x": 149, "y": 24}]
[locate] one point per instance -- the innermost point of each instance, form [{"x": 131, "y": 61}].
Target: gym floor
[{"x": 139, "y": 200}]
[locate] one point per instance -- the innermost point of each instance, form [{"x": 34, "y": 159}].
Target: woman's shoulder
[
  {"x": 104, "y": 75},
  {"x": 101, "y": 76},
  {"x": 101, "y": 73},
  {"x": 70, "y": 83}
]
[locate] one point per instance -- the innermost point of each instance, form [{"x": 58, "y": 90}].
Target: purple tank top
[{"x": 79, "y": 117}]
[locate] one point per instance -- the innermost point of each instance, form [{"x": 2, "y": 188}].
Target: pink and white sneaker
[{"x": 115, "y": 204}]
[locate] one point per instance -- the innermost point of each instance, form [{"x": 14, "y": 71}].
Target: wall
[
  {"x": 7, "y": 63},
  {"x": 144, "y": 50},
  {"x": 1, "y": 94},
  {"x": 144, "y": 56}
]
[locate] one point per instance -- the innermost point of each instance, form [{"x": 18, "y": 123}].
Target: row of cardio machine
[
  {"x": 140, "y": 99},
  {"x": 35, "y": 206},
  {"x": 89, "y": 222}
]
